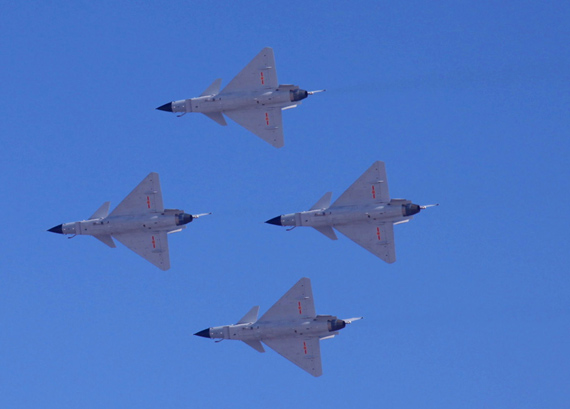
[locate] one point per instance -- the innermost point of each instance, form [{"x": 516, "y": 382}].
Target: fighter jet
[
  {"x": 364, "y": 213},
  {"x": 140, "y": 222},
  {"x": 290, "y": 327},
  {"x": 254, "y": 99}
]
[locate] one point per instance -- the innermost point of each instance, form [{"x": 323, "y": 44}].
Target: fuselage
[
  {"x": 397, "y": 210},
  {"x": 321, "y": 326},
  {"x": 169, "y": 220},
  {"x": 283, "y": 96}
]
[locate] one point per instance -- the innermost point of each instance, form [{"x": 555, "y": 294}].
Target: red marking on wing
[
  {"x": 300, "y": 309},
  {"x": 378, "y": 232},
  {"x": 148, "y": 201},
  {"x": 262, "y": 79},
  {"x": 267, "y": 118},
  {"x": 373, "y": 193},
  {"x": 153, "y": 243},
  {"x": 305, "y": 347}
]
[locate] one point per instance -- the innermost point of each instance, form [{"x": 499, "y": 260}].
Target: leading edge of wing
[
  {"x": 303, "y": 352},
  {"x": 370, "y": 187},
  {"x": 296, "y": 303},
  {"x": 266, "y": 123},
  {"x": 145, "y": 198},
  {"x": 377, "y": 238},
  {"x": 259, "y": 73},
  {"x": 152, "y": 246}
]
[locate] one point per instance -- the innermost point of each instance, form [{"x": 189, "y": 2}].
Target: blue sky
[{"x": 466, "y": 102}]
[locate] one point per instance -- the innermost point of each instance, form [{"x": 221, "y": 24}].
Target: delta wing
[
  {"x": 296, "y": 303},
  {"x": 266, "y": 122},
  {"x": 152, "y": 246},
  {"x": 371, "y": 187},
  {"x": 145, "y": 198},
  {"x": 259, "y": 74},
  {"x": 303, "y": 352},
  {"x": 378, "y": 238}
]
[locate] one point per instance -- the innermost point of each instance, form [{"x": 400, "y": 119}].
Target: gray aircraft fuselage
[
  {"x": 322, "y": 326},
  {"x": 169, "y": 220},
  {"x": 397, "y": 210},
  {"x": 282, "y": 96}
]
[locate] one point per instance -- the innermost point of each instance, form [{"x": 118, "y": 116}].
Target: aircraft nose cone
[
  {"x": 166, "y": 107},
  {"x": 57, "y": 229},
  {"x": 204, "y": 333},
  {"x": 276, "y": 221}
]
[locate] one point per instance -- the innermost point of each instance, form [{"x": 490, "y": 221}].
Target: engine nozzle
[
  {"x": 184, "y": 218},
  {"x": 335, "y": 325},
  {"x": 410, "y": 209}
]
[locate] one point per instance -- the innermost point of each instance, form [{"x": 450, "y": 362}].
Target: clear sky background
[{"x": 467, "y": 103}]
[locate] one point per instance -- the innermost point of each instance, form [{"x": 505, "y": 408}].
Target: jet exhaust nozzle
[
  {"x": 335, "y": 325},
  {"x": 298, "y": 94},
  {"x": 204, "y": 333},
  {"x": 410, "y": 209},
  {"x": 184, "y": 218},
  {"x": 57, "y": 229},
  {"x": 166, "y": 107},
  {"x": 276, "y": 221}
]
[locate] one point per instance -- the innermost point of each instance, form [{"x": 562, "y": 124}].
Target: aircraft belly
[
  {"x": 93, "y": 228},
  {"x": 273, "y": 99},
  {"x": 314, "y": 218},
  {"x": 127, "y": 225},
  {"x": 293, "y": 329},
  {"x": 298, "y": 221},
  {"x": 316, "y": 221},
  {"x": 248, "y": 335},
  {"x": 239, "y": 105},
  {"x": 241, "y": 332},
  {"x": 276, "y": 331},
  {"x": 347, "y": 218}
]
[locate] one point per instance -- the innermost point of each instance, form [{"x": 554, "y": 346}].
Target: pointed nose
[
  {"x": 204, "y": 333},
  {"x": 276, "y": 221},
  {"x": 166, "y": 107},
  {"x": 57, "y": 229}
]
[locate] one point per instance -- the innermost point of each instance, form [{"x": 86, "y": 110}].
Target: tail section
[
  {"x": 102, "y": 212},
  {"x": 213, "y": 89}
]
